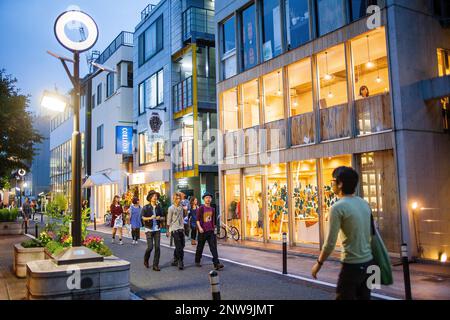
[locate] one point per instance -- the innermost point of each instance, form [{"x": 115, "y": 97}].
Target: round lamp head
[{"x": 80, "y": 17}]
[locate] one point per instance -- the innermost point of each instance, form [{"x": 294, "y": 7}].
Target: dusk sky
[{"x": 26, "y": 33}]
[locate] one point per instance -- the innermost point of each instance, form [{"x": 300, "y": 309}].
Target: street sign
[{"x": 124, "y": 140}]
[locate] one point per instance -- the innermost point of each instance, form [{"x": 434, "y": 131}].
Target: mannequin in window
[{"x": 364, "y": 92}]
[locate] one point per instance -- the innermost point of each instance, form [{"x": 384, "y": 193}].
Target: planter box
[
  {"x": 24, "y": 255},
  {"x": 11, "y": 228}
]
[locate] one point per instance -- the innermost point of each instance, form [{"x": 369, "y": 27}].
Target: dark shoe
[
  {"x": 219, "y": 266},
  {"x": 146, "y": 264},
  {"x": 181, "y": 265},
  {"x": 198, "y": 264},
  {"x": 156, "y": 269}
]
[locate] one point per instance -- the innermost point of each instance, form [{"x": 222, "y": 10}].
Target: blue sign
[{"x": 124, "y": 140}]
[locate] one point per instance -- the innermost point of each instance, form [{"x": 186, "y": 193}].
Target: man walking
[
  {"x": 151, "y": 216},
  {"x": 352, "y": 216},
  {"x": 206, "y": 217},
  {"x": 175, "y": 227}
]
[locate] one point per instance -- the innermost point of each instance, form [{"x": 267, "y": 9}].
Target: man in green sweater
[{"x": 351, "y": 217}]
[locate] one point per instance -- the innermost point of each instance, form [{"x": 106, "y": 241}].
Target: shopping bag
[
  {"x": 381, "y": 256},
  {"x": 118, "y": 223}
]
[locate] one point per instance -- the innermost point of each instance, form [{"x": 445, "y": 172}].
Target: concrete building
[
  {"x": 111, "y": 115},
  {"x": 40, "y": 166},
  {"x": 335, "y": 83},
  {"x": 174, "y": 77}
]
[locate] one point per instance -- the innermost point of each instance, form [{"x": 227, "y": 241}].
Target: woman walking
[
  {"x": 135, "y": 220},
  {"x": 152, "y": 215},
  {"x": 116, "y": 219},
  {"x": 193, "y": 219}
]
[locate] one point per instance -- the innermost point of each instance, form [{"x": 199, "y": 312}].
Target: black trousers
[
  {"x": 352, "y": 283},
  {"x": 179, "y": 239},
  {"x": 211, "y": 238},
  {"x": 193, "y": 233},
  {"x": 153, "y": 240},
  {"x": 136, "y": 233}
]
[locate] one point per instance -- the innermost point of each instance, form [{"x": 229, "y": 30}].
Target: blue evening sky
[{"x": 26, "y": 33}]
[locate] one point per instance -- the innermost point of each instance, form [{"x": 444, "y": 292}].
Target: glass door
[{"x": 254, "y": 215}]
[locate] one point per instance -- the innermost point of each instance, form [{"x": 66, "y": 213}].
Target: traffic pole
[
  {"x": 406, "y": 275},
  {"x": 284, "y": 253},
  {"x": 215, "y": 285}
]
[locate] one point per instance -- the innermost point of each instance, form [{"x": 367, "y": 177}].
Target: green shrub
[
  {"x": 54, "y": 247},
  {"x": 7, "y": 215},
  {"x": 32, "y": 243}
]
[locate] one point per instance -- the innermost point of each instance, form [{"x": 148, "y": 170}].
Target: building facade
[
  {"x": 111, "y": 125},
  {"x": 40, "y": 166},
  {"x": 307, "y": 86},
  {"x": 175, "y": 82}
]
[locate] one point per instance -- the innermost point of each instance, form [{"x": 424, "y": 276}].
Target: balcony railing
[
  {"x": 182, "y": 95},
  {"x": 147, "y": 10},
  {"x": 335, "y": 122},
  {"x": 373, "y": 114},
  {"x": 302, "y": 129},
  {"x": 197, "y": 22},
  {"x": 206, "y": 89},
  {"x": 184, "y": 155},
  {"x": 123, "y": 39}
]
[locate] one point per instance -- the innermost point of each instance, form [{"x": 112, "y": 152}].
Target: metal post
[
  {"x": 215, "y": 285},
  {"x": 95, "y": 223},
  {"x": 76, "y": 155},
  {"x": 42, "y": 216},
  {"x": 36, "y": 230},
  {"x": 406, "y": 275},
  {"x": 284, "y": 253},
  {"x": 26, "y": 226}
]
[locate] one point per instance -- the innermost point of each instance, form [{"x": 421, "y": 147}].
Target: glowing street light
[{"x": 53, "y": 101}]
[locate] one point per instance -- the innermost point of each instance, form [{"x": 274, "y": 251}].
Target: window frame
[
  {"x": 158, "y": 145},
  {"x": 159, "y": 100},
  {"x": 110, "y": 81},
  {"x": 99, "y": 94},
  {"x": 100, "y": 137},
  {"x": 159, "y": 41}
]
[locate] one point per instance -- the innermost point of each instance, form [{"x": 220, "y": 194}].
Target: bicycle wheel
[
  {"x": 223, "y": 233},
  {"x": 235, "y": 233}
]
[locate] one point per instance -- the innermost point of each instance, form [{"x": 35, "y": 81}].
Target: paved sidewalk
[{"x": 429, "y": 282}]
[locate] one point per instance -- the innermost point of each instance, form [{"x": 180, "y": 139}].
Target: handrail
[
  {"x": 147, "y": 10},
  {"x": 124, "y": 38}
]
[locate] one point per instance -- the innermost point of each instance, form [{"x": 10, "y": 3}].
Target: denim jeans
[
  {"x": 179, "y": 239},
  {"x": 153, "y": 239},
  {"x": 136, "y": 233}
]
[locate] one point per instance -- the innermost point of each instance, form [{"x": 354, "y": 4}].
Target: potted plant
[
  {"x": 8, "y": 222},
  {"x": 27, "y": 251}
]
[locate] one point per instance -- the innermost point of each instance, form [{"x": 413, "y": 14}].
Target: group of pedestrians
[{"x": 183, "y": 216}]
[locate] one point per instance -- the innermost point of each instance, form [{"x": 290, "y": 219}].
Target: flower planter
[
  {"x": 24, "y": 255},
  {"x": 11, "y": 228}
]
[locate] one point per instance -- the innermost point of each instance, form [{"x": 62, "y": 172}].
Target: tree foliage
[{"x": 17, "y": 135}]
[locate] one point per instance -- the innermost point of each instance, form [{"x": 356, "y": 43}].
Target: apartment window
[
  {"x": 250, "y": 104},
  {"x": 300, "y": 87},
  {"x": 272, "y": 44},
  {"x": 151, "y": 41},
  {"x": 99, "y": 94},
  {"x": 100, "y": 137},
  {"x": 359, "y": 8},
  {"x": 331, "y": 15},
  {"x": 151, "y": 92},
  {"x": 249, "y": 52},
  {"x": 129, "y": 74},
  {"x": 333, "y": 77},
  {"x": 230, "y": 110},
  {"x": 229, "y": 62},
  {"x": 371, "y": 75},
  {"x": 273, "y": 96},
  {"x": 150, "y": 150},
  {"x": 93, "y": 101},
  {"x": 109, "y": 84},
  {"x": 297, "y": 22},
  {"x": 443, "y": 62}
]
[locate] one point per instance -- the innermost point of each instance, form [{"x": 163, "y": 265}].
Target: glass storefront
[
  {"x": 305, "y": 202},
  {"x": 250, "y": 104},
  {"x": 273, "y": 96},
  {"x": 232, "y": 199},
  {"x": 277, "y": 201},
  {"x": 253, "y": 201}
]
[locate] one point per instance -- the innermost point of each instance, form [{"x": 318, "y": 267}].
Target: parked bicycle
[
  {"x": 228, "y": 231},
  {"x": 107, "y": 219}
]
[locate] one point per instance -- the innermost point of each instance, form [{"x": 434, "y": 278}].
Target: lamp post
[{"x": 55, "y": 102}]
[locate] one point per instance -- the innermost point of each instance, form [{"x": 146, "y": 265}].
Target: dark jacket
[{"x": 147, "y": 212}]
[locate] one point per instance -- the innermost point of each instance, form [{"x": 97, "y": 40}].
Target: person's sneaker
[
  {"x": 198, "y": 264},
  {"x": 156, "y": 268},
  {"x": 219, "y": 266},
  {"x": 112, "y": 240},
  {"x": 180, "y": 265},
  {"x": 121, "y": 242}
]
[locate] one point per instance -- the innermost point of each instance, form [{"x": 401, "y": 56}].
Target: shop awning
[{"x": 98, "y": 179}]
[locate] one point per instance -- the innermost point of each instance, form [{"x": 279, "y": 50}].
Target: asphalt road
[{"x": 236, "y": 282}]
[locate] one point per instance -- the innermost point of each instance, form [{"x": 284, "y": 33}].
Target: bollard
[
  {"x": 215, "y": 285},
  {"x": 26, "y": 227},
  {"x": 95, "y": 223},
  {"x": 42, "y": 217},
  {"x": 284, "y": 253},
  {"x": 406, "y": 275},
  {"x": 36, "y": 230}
]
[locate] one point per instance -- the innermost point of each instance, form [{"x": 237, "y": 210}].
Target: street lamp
[{"x": 78, "y": 254}]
